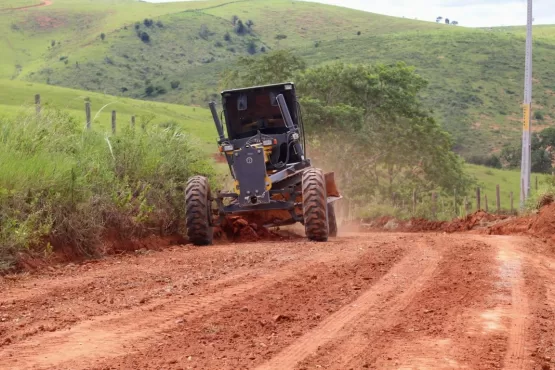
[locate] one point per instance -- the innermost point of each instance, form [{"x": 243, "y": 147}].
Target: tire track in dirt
[
  {"x": 430, "y": 329},
  {"x": 511, "y": 273},
  {"x": 413, "y": 271},
  {"x": 112, "y": 335}
]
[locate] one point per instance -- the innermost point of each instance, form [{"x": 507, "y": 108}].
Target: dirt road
[{"x": 361, "y": 301}]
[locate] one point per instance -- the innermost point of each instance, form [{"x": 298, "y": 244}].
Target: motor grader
[{"x": 274, "y": 182}]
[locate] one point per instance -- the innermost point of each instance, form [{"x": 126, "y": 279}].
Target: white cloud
[{"x": 471, "y": 13}]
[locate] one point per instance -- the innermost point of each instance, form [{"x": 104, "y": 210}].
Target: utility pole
[{"x": 525, "y": 166}]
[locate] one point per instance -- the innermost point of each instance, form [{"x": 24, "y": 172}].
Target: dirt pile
[
  {"x": 541, "y": 224},
  {"x": 242, "y": 230},
  {"x": 474, "y": 221}
]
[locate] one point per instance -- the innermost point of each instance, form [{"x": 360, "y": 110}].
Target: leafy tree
[
  {"x": 149, "y": 90},
  {"x": 454, "y": 23},
  {"x": 251, "y": 47},
  {"x": 175, "y": 84},
  {"x": 439, "y": 19},
  {"x": 366, "y": 122},
  {"x": 240, "y": 29},
  {"x": 145, "y": 37},
  {"x": 148, "y": 22},
  {"x": 446, "y": 20},
  {"x": 273, "y": 67}
]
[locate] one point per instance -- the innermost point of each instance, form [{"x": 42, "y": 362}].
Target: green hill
[{"x": 476, "y": 75}]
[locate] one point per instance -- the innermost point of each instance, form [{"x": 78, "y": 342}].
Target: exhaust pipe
[{"x": 217, "y": 121}]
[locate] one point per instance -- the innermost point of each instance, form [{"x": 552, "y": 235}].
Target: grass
[
  {"x": 65, "y": 187},
  {"x": 475, "y": 74},
  {"x": 508, "y": 181},
  {"x": 18, "y": 96},
  {"x": 10, "y": 4}
]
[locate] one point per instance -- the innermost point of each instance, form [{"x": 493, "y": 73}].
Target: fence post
[
  {"x": 478, "y": 206},
  {"x": 37, "y": 103},
  {"x": 414, "y": 202},
  {"x": 465, "y": 206},
  {"x": 434, "y": 209},
  {"x": 512, "y": 203},
  {"x": 486, "y": 200},
  {"x": 113, "y": 122},
  {"x": 88, "y": 114},
  {"x": 498, "y": 198},
  {"x": 132, "y": 121}
]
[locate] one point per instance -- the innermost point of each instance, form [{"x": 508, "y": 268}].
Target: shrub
[
  {"x": 227, "y": 37},
  {"x": 145, "y": 37},
  {"x": 102, "y": 36},
  {"x": 251, "y": 47},
  {"x": 175, "y": 84},
  {"x": 539, "y": 115},
  {"x": 281, "y": 37},
  {"x": 61, "y": 186}
]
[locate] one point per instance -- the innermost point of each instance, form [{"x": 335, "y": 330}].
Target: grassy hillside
[
  {"x": 508, "y": 181},
  {"x": 475, "y": 75},
  {"x": 17, "y": 97}
]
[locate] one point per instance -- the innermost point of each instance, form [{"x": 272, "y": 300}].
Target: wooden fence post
[
  {"x": 498, "y": 198},
  {"x": 113, "y": 122},
  {"x": 478, "y": 206},
  {"x": 37, "y": 103},
  {"x": 512, "y": 203},
  {"x": 414, "y": 202},
  {"x": 88, "y": 114},
  {"x": 465, "y": 206},
  {"x": 486, "y": 200},
  {"x": 434, "y": 208},
  {"x": 132, "y": 121}
]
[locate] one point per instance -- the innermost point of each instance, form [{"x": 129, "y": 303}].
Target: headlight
[
  {"x": 267, "y": 142},
  {"x": 295, "y": 136},
  {"x": 228, "y": 148}
]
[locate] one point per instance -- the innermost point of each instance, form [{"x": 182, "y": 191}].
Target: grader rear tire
[
  {"x": 315, "y": 210},
  {"x": 332, "y": 221},
  {"x": 198, "y": 211}
]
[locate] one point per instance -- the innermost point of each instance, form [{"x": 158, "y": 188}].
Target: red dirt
[
  {"x": 42, "y": 4},
  {"x": 371, "y": 300}
]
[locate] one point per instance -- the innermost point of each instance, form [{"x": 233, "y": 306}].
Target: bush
[
  {"x": 539, "y": 115},
  {"x": 281, "y": 37},
  {"x": 175, "y": 84},
  {"x": 145, "y": 37},
  {"x": 61, "y": 186},
  {"x": 251, "y": 47},
  {"x": 227, "y": 37},
  {"x": 102, "y": 36}
]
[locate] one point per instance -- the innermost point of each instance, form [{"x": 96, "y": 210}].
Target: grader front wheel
[
  {"x": 315, "y": 211},
  {"x": 198, "y": 211}
]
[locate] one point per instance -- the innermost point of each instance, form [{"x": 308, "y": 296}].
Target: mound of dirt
[
  {"x": 240, "y": 230},
  {"x": 541, "y": 224},
  {"x": 474, "y": 221}
]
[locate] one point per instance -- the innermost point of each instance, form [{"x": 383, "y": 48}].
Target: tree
[
  {"x": 148, "y": 22},
  {"x": 204, "y": 32},
  {"x": 240, "y": 29},
  {"x": 175, "y": 84},
  {"x": 149, "y": 90},
  {"x": 439, "y": 19},
  {"x": 366, "y": 123},
  {"x": 102, "y": 36},
  {"x": 249, "y": 23},
  {"x": 446, "y": 20},
  {"x": 251, "y": 47},
  {"x": 454, "y": 23},
  {"x": 145, "y": 37},
  {"x": 234, "y": 20},
  {"x": 227, "y": 37},
  {"x": 273, "y": 67}
]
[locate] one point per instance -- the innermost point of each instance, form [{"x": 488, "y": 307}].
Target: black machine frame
[{"x": 246, "y": 164}]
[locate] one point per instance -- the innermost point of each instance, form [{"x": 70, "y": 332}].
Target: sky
[{"x": 469, "y": 13}]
